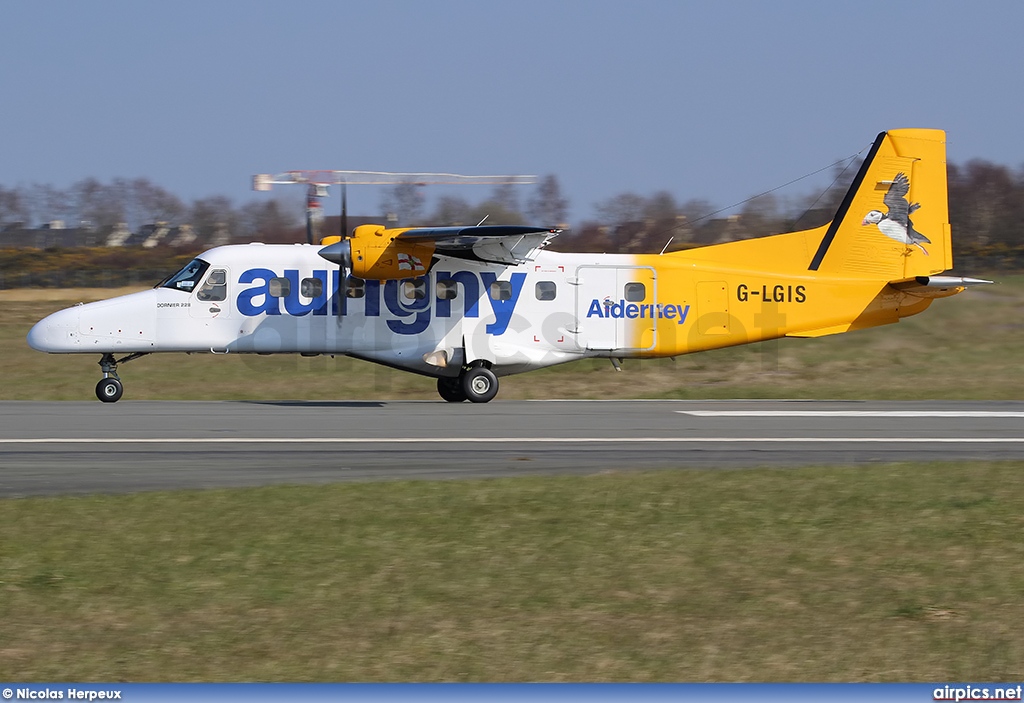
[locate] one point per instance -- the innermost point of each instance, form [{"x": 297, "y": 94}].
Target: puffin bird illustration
[{"x": 896, "y": 224}]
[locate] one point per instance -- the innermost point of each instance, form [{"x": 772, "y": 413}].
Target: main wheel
[
  {"x": 450, "y": 389},
  {"x": 479, "y": 384},
  {"x": 109, "y": 390}
]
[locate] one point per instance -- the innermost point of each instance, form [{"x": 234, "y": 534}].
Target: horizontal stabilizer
[
  {"x": 951, "y": 281},
  {"x": 936, "y": 286}
]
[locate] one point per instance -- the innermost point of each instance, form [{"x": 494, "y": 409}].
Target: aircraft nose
[{"x": 56, "y": 333}]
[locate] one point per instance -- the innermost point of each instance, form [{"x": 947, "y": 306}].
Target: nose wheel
[{"x": 110, "y": 388}]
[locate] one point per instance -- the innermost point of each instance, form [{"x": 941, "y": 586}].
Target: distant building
[
  {"x": 16, "y": 236},
  {"x": 55, "y": 234}
]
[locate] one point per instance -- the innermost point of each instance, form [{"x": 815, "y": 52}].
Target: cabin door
[{"x": 615, "y": 308}]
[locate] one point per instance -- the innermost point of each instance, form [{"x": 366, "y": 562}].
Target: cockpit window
[
  {"x": 186, "y": 279},
  {"x": 216, "y": 286}
]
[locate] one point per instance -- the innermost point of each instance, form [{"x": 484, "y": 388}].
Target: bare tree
[
  {"x": 149, "y": 203},
  {"x": 102, "y": 205},
  {"x": 548, "y": 206},
  {"x": 43, "y": 202},
  {"x": 452, "y": 210},
  {"x": 13, "y": 207},
  {"x": 506, "y": 196},
  {"x": 406, "y": 202},
  {"x": 693, "y": 215},
  {"x": 214, "y": 219},
  {"x": 984, "y": 203},
  {"x": 760, "y": 216},
  {"x": 490, "y": 212},
  {"x": 661, "y": 207},
  {"x": 819, "y": 208},
  {"x": 265, "y": 221},
  {"x": 620, "y": 209}
]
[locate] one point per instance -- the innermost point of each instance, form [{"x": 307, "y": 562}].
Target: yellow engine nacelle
[{"x": 375, "y": 252}]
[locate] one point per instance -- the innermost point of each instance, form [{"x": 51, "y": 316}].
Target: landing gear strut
[
  {"x": 110, "y": 389},
  {"x": 477, "y": 384}
]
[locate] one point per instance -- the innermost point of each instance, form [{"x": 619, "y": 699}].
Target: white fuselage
[{"x": 284, "y": 299}]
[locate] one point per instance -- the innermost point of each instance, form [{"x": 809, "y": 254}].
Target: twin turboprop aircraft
[{"x": 467, "y": 305}]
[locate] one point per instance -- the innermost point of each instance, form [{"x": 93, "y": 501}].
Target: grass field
[
  {"x": 880, "y": 573},
  {"x": 969, "y": 346}
]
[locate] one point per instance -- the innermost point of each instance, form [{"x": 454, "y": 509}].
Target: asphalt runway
[{"x": 91, "y": 447}]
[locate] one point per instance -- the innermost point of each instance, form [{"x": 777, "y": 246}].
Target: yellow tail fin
[{"x": 893, "y": 223}]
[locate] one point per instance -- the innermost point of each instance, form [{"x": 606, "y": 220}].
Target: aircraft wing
[{"x": 506, "y": 244}]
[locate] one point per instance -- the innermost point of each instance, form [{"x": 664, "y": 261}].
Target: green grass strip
[{"x": 902, "y": 572}]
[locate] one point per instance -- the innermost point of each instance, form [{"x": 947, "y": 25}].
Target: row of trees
[
  {"x": 545, "y": 205},
  {"x": 986, "y": 205},
  {"x": 137, "y": 202},
  {"x": 986, "y": 210}
]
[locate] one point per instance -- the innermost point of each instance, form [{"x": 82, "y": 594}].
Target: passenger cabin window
[
  {"x": 635, "y": 292},
  {"x": 545, "y": 290},
  {"x": 356, "y": 287},
  {"x": 447, "y": 290},
  {"x": 501, "y": 290},
  {"x": 215, "y": 288},
  {"x": 187, "y": 278},
  {"x": 311, "y": 287},
  {"x": 279, "y": 287},
  {"x": 415, "y": 289}
]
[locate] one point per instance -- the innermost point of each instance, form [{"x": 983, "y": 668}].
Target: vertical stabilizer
[{"x": 893, "y": 223}]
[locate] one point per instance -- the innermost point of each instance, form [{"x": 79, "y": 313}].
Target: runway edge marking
[
  {"x": 513, "y": 440},
  {"x": 855, "y": 413}
]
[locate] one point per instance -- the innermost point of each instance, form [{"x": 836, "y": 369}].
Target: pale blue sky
[{"x": 715, "y": 100}]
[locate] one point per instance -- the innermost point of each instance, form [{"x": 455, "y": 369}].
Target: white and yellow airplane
[{"x": 469, "y": 304}]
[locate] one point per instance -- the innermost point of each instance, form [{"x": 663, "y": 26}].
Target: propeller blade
[
  {"x": 340, "y": 253},
  {"x": 345, "y": 267},
  {"x": 344, "y": 212}
]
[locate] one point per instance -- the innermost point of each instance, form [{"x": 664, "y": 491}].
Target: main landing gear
[
  {"x": 477, "y": 384},
  {"x": 110, "y": 389}
]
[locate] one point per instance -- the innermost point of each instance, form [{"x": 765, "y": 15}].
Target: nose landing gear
[{"x": 110, "y": 389}]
